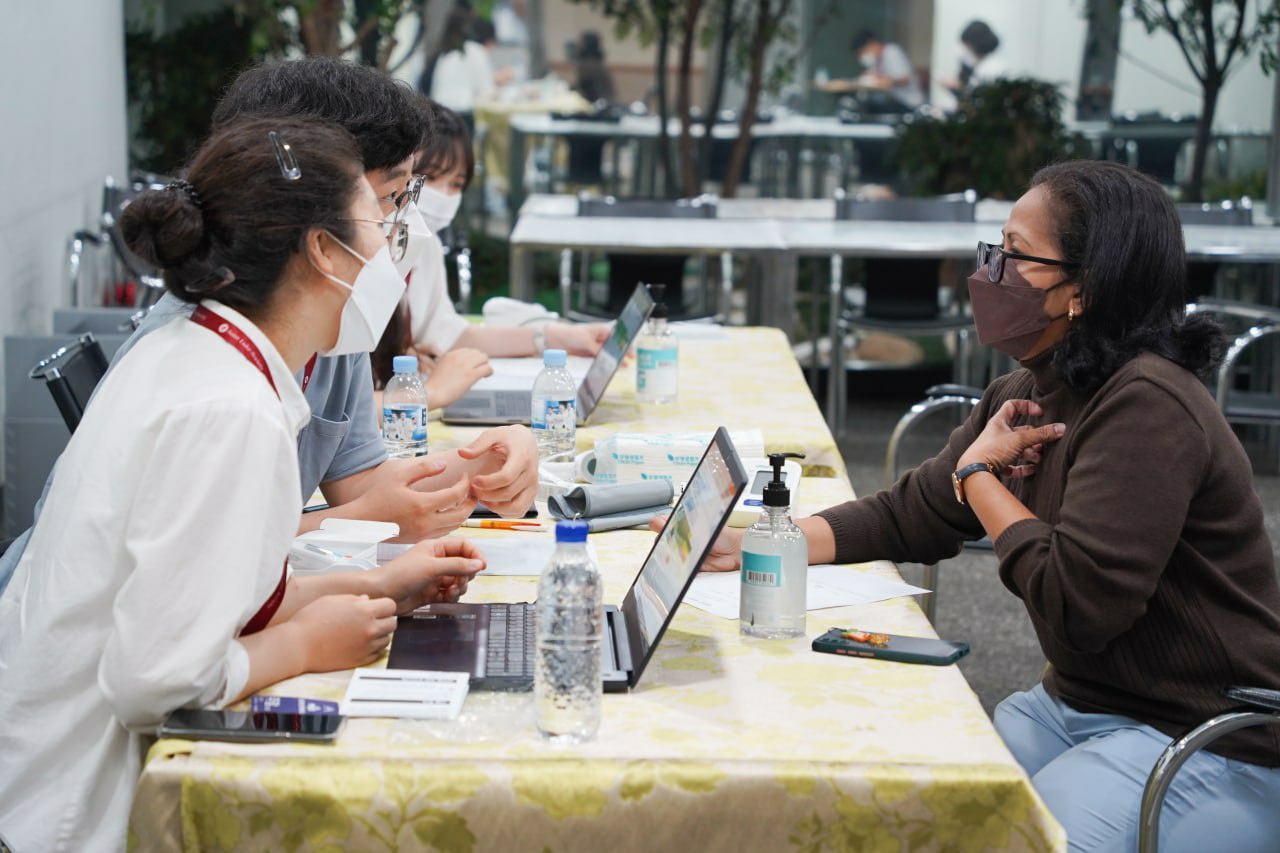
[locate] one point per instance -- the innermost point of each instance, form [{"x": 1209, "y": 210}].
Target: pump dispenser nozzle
[
  {"x": 776, "y": 492},
  {"x": 658, "y": 293}
]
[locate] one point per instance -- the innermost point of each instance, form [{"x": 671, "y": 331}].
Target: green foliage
[
  {"x": 1253, "y": 185},
  {"x": 175, "y": 80},
  {"x": 999, "y": 135}
]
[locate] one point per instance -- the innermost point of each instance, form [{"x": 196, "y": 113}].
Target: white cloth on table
[{"x": 164, "y": 532}]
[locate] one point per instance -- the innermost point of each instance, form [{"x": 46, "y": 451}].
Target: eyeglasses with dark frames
[
  {"x": 400, "y": 201},
  {"x": 993, "y": 258}
]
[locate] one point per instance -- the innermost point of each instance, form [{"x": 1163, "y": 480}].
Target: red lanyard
[{"x": 231, "y": 333}]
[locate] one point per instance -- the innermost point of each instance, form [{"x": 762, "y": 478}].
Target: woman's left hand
[
  {"x": 431, "y": 571},
  {"x": 585, "y": 339},
  {"x": 509, "y": 491},
  {"x": 1014, "y": 451}
]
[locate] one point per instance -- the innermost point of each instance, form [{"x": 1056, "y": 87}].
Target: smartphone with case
[
  {"x": 898, "y": 648},
  {"x": 249, "y": 726}
]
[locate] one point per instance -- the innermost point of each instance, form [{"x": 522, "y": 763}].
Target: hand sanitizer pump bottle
[{"x": 775, "y": 565}]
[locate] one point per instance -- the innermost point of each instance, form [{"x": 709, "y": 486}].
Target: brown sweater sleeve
[
  {"x": 1136, "y": 461},
  {"x": 918, "y": 519}
]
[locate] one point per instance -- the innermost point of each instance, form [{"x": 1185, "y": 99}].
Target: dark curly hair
[
  {"x": 384, "y": 115},
  {"x": 230, "y": 229},
  {"x": 1119, "y": 230}
]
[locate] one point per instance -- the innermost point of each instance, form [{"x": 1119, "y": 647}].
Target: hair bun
[{"x": 164, "y": 227}]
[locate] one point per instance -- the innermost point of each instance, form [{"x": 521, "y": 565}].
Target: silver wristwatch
[{"x": 539, "y": 338}]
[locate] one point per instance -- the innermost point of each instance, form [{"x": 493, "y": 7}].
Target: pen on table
[{"x": 503, "y": 524}]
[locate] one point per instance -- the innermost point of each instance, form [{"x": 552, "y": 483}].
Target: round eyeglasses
[
  {"x": 993, "y": 257},
  {"x": 397, "y": 233}
]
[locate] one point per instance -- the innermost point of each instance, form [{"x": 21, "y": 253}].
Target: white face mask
[
  {"x": 868, "y": 59},
  {"x": 419, "y": 233},
  {"x": 374, "y": 296},
  {"x": 437, "y": 208}
]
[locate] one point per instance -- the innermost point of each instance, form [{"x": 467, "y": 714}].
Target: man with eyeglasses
[{"x": 340, "y": 451}]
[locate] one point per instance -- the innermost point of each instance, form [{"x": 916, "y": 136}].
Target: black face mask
[{"x": 1009, "y": 314}]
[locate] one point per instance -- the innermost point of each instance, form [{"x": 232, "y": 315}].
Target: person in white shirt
[
  {"x": 889, "y": 83},
  {"x": 454, "y": 353},
  {"x": 459, "y": 74},
  {"x": 156, "y": 578},
  {"x": 978, "y": 62}
]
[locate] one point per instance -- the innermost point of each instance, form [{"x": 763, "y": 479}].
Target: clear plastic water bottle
[
  {"x": 404, "y": 410},
  {"x": 554, "y": 415},
  {"x": 567, "y": 681}
]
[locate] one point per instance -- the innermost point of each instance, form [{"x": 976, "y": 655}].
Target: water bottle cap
[
  {"x": 553, "y": 357},
  {"x": 571, "y": 531},
  {"x": 405, "y": 364}
]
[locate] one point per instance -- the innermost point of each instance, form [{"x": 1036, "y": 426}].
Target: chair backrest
[
  {"x": 958, "y": 207},
  {"x": 905, "y": 289},
  {"x": 702, "y": 207},
  {"x": 71, "y": 374},
  {"x": 1225, "y": 213}
]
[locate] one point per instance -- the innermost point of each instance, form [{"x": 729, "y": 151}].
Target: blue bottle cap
[
  {"x": 553, "y": 357},
  {"x": 571, "y": 531},
  {"x": 405, "y": 364}
]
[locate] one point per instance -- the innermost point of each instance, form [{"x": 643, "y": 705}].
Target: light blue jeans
[{"x": 1090, "y": 770}]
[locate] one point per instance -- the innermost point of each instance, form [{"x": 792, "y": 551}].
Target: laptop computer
[
  {"x": 506, "y": 400},
  {"x": 495, "y": 642}
]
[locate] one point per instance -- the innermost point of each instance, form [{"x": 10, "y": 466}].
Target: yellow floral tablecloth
[
  {"x": 746, "y": 379},
  {"x": 727, "y": 744}
]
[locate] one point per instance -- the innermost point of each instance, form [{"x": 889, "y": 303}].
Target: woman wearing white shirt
[
  {"x": 455, "y": 354},
  {"x": 459, "y": 74},
  {"x": 155, "y": 578}
]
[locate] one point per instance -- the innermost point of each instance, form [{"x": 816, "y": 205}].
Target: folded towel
[{"x": 612, "y": 507}]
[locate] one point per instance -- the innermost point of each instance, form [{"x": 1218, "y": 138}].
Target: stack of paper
[{"x": 829, "y": 586}]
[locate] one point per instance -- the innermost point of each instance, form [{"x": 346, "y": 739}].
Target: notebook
[{"x": 495, "y": 642}]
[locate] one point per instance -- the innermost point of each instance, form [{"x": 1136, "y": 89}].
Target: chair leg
[
  {"x": 835, "y": 369},
  {"x": 726, "y": 288},
  {"x": 929, "y": 580},
  {"x": 1177, "y": 754},
  {"x": 566, "y": 282}
]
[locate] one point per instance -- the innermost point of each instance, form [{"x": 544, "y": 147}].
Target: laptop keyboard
[
  {"x": 511, "y": 404},
  {"x": 511, "y": 640}
]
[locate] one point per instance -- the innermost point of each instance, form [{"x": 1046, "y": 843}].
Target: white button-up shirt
[{"x": 164, "y": 532}]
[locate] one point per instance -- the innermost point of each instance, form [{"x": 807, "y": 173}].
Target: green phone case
[{"x": 902, "y": 649}]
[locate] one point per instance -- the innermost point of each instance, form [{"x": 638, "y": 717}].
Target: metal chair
[
  {"x": 901, "y": 295},
  {"x": 114, "y": 200},
  {"x": 71, "y": 373},
  {"x": 456, "y": 248},
  {"x": 965, "y": 399},
  {"x": 1260, "y": 707},
  {"x": 1258, "y": 402},
  {"x": 626, "y": 270}
]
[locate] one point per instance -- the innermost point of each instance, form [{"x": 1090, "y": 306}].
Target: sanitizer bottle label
[
  {"x": 762, "y": 570},
  {"x": 656, "y": 371}
]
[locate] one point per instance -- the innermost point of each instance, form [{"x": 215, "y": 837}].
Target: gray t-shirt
[{"x": 341, "y": 438}]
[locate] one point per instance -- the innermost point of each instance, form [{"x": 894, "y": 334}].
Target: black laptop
[{"x": 495, "y": 642}]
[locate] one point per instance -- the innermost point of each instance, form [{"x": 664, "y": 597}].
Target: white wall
[
  {"x": 1045, "y": 38},
  {"x": 63, "y": 106}
]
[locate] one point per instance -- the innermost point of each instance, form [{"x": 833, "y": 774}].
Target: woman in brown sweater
[{"x": 1122, "y": 510}]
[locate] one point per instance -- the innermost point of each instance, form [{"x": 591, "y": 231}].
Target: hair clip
[
  {"x": 186, "y": 187},
  {"x": 284, "y": 156}
]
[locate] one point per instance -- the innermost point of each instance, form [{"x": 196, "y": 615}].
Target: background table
[
  {"x": 727, "y": 744},
  {"x": 746, "y": 378}
]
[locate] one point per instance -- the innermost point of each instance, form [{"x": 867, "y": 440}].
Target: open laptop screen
[
  {"x": 606, "y": 362},
  {"x": 682, "y": 545}
]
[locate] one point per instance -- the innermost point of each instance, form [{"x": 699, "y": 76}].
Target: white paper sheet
[
  {"x": 519, "y": 373},
  {"x": 513, "y": 554},
  {"x": 829, "y": 586},
  {"x": 419, "y": 694}
]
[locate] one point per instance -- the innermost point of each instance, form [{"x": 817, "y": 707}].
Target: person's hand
[
  {"x": 420, "y": 514},
  {"x": 509, "y": 491},
  {"x": 343, "y": 631},
  {"x": 453, "y": 373},
  {"x": 1014, "y": 451},
  {"x": 432, "y": 571},
  {"x": 726, "y": 551},
  {"x": 578, "y": 339}
]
